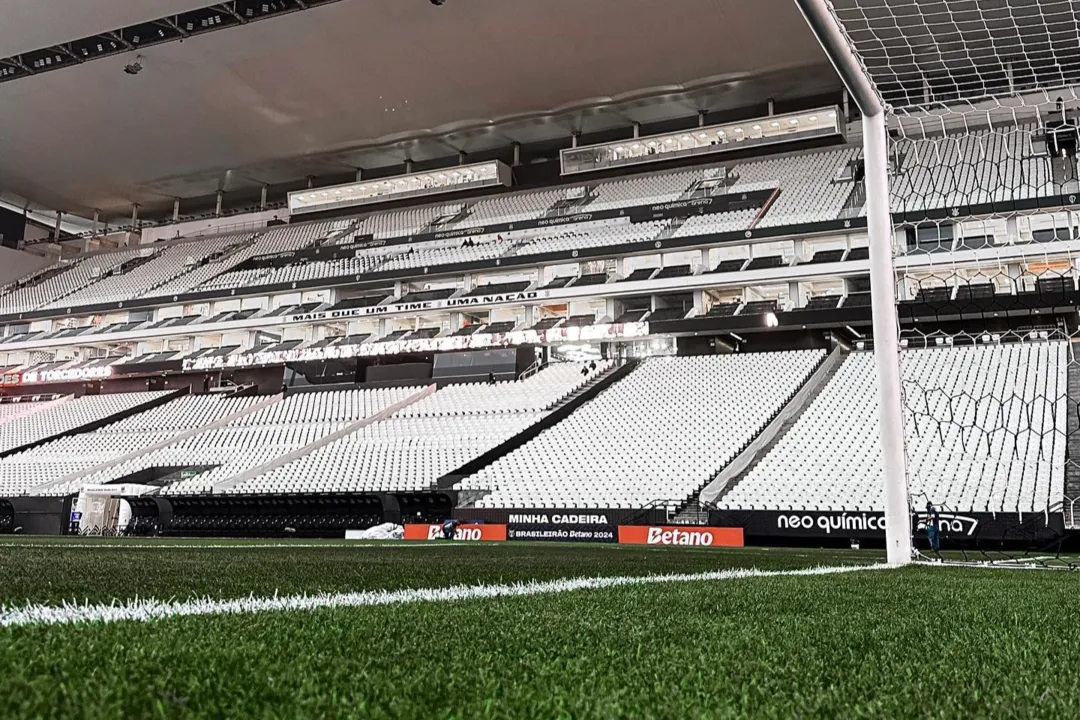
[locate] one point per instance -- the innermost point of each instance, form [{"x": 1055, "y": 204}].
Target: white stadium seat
[
  {"x": 659, "y": 434},
  {"x": 427, "y": 439},
  {"x": 52, "y": 460},
  {"x": 985, "y": 432}
]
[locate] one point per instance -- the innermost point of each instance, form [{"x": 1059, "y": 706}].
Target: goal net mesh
[{"x": 982, "y": 120}]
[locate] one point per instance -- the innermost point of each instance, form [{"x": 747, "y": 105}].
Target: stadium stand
[
  {"x": 220, "y": 452},
  {"x": 47, "y": 465},
  {"x": 515, "y": 208},
  {"x": 159, "y": 268},
  {"x": 397, "y": 223},
  {"x": 148, "y": 271},
  {"x": 22, "y": 470},
  {"x": 591, "y": 236},
  {"x": 648, "y": 190},
  {"x": 810, "y": 191},
  {"x": 716, "y": 223},
  {"x": 11, "y": 411},
  {"x": 968, "y": 408},
  {"x": 428, "y": 438},
  {"x": 656, "y": 436},
  {"x": 66, "y": 416},
  {"x": 1001, "y": 162},
  {"x": 813, "y": 187},
  {"x": 659, "y": 434},
  {"x": 63, "y": 280}
]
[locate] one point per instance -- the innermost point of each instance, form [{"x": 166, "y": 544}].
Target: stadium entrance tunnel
[
  {"x": 300, "y": 515},
  {"x": 424, "y": 507},
  {"x": 162, "y": 476}
]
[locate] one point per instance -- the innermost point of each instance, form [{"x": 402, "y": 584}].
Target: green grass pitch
[{"x": 920, "y": 642}]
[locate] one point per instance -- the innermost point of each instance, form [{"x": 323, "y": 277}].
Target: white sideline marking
[{"x": 144, "y": 610}]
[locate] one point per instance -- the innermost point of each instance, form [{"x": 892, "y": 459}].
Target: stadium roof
[{"x": 367, "y": 83}]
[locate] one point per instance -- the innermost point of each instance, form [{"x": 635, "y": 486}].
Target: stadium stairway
[
  {"x": 1064, "y": 172},
  {"x": 572, "y": 398},
  {"x": 1072, "y": 447},
  {"x": 856, "y": 200},
  {"x": 560, "y": 412},
  {"x": 223, "y": 261},
  {"x": 670, "y": 229},
  {"x": 38, "y": 276},
  {"x": 323, "y": 441},
  {"x": 223, "y": 422},
  {"x": 150, "y": 404},
  {"x": 219, "y": 255},
  {"x": 759, "y": 447},
  {"x": 692, "y": 514}
]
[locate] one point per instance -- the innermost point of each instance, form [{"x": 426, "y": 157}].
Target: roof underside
[{"x": 367, "y": 83}]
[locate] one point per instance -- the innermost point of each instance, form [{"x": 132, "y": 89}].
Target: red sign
[
  {"x": 476, "y": 533},
  {"x": 11, "y": 379},
  {"x": 692, "y": 535}
]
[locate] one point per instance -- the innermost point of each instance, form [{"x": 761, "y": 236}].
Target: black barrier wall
[
  {"x": 957, "y": 529},
  {"x": 40, "y": 515},
  {"x": 502, "y": 364},
  {"x": 298, "y": 515},
  {"x": 562, "y": 518},
  {"x": 398, "y": 372}
]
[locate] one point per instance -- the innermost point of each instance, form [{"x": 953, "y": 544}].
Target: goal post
[
  {"x": 971, "y": 151},
  {"x": 828, "y": 31},
  {"x": 886, "y": 339}
]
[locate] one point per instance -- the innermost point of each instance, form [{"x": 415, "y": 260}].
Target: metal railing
[
  {"x": 665, "y": 504},
  {"x": 1069, "y": 511},
  {"x": 528, "y": 372}
]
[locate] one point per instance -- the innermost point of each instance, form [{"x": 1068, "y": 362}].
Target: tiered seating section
[
  {"x": 75, "y": 454},
  {"x": 159, "y": 268},
  {"x": 205, "y": 265},
  {"x": 232, "y": 436},
  {"x": 985, "y": 432},
  {"x": 984, "y": 166},
  {"x": 152, "y": 271},
  {"x": 981, "y": 167},
  {"x": 427, "y": 439},
  {"x": 660, "y": 434},
  {"x": 63, "y": 280},
  {"x": 64, "y": 417},
  {"x": 22, "y": 471},
  {"x": 247, "y": 277},
  {"x": 254, "y": 439}
]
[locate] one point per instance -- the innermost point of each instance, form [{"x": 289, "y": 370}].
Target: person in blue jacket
[
  {"x": 449, "y": 527},
  {"x": 933, "y": 528}
]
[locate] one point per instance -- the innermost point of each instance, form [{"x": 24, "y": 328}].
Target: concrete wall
[
  {"x": 15, "y": 264},
  {"x": 228, "y": 225}
]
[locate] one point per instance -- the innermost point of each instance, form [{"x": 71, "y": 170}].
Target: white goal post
[{"x": 826, "y": 27}]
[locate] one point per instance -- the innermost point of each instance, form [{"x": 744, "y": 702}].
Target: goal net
[{"x": 983, "y": 122}]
